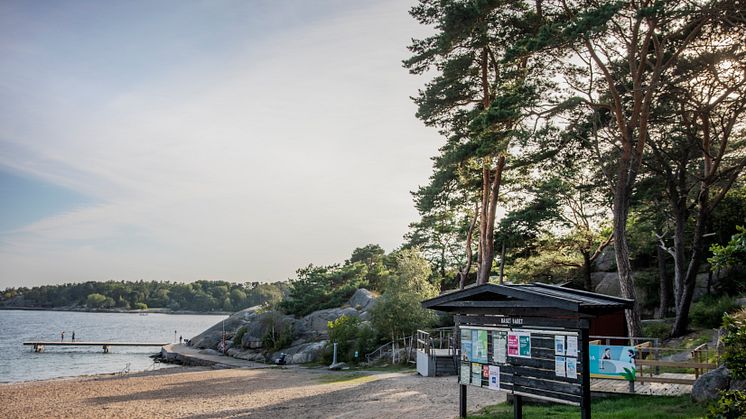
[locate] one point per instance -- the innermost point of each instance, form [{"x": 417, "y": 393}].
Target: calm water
[{"x": 21, "y": 363}]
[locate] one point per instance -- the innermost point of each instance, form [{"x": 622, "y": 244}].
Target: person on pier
[{"x": 62, "y": 336}]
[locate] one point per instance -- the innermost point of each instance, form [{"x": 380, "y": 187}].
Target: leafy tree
[
  {"x": 398, "y": 311},
  {"x": 478, "y": 98}
]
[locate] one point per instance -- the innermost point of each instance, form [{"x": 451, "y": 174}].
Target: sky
[{"x": 216, "y": 139}]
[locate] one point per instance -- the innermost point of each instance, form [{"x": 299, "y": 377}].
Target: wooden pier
[{"x": 39, "y": 345}]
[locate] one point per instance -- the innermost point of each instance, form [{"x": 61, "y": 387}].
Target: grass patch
[{"x": 617, "y": 407}]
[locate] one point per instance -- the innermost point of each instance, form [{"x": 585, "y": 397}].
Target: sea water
[{"x": 21, "y": 363}]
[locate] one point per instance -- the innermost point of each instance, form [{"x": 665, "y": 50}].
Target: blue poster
[
  {"x": 466, "y": 345},
  {"x": 611, "y": 361}
]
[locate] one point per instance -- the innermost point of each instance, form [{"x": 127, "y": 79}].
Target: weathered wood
[
  {"x": 585, "y": 376},
  {"x": 682, "y": 364},
  {"x": 541, "y": 384},
  {"x": 478, "y": 320},
  {"x": 669, "y": 380},
  {"x": 557, "y": 397}
]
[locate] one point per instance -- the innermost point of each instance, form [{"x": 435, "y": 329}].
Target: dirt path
[{"x": 263, "y": 393}]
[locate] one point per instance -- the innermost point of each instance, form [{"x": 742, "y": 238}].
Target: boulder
[
  {"x": 212, "y": 336},
  {"x": 304, "y": 353},
  {"x": 609, "y": 284},
  {"x": 597, "y": 278},
  {"x": 606, "y": 261},
  {"x": 317, "y": 322},
  {"x": 362, "y": 300},
  {"x": 708, "y": 386}
]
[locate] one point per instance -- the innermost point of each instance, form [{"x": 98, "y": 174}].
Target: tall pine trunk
[{"x": 622, "y": 193}]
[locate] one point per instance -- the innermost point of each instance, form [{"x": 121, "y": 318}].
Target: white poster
[
  {"x": 494, "y": 377},
  {"x": 559, "y": 366},
  {"x": 571, "y": 367},
  {"x": 572, "y": 346},
  {"x": 559, "y": 345},
  {"x": 465, "y": 377},
  {"x": 499, "y": 347}
]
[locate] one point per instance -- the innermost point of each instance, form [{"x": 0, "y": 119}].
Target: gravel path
[{"x": 262, "y": 393}]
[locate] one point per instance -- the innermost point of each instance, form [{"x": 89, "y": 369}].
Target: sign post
[{"x": 528, "y": 340}]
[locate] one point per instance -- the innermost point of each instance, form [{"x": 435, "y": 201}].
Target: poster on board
[
  {"x": 519, "y": 344},
  {"x": 499, "y": 347},
  {"x": 571, "y": 367},
  {"x": 611, "y": 361},
  {"x": 466, "y": 345},
  {"x": 476, "y": 374},
  {"x": 479, "y": 346},
  {"x": 572, "y": 346},
  {"x": 559, "y": 366},
  {"x": 494, "y": 377},
  {"x": 559, "y": 345},
  {"x": 465, "y": 373}
]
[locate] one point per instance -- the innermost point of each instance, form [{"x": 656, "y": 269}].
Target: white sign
[
  {"x": 559, "y": 366},
  {"x": 572, "y": 346},
  {"x": 572, "y": 367},
  {"x": 465, "y": 377},
  {"x": 494, "y": 377}
]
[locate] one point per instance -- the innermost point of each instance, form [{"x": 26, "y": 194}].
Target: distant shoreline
[{"x": 148, "y": 311}]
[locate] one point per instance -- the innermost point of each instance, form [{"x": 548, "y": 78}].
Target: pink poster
[{"x": 512, "y": 344}]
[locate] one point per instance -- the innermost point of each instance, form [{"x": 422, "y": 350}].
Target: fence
[{"x": 656, "y": 364}]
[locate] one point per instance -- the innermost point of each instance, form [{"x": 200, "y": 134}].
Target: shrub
[
  {"x": 351, "y": 335},
  {"x": 731, "y": 404},
  {"x": 734, "y": 342},
  {"x": 141, "y": 306},
  {"x": 239, "y": 336},
  {"x": 708, "y": 312},
  {"x": 659, "y": 329}
]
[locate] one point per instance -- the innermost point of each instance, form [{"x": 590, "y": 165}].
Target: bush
[
  {"x": 658, "y": 329},
  {"x": 731, "y": 404},
  {"x": 141, "y": 306},
  {"x": 351, "y": 335},
  {"x": 239, "y": 337},
  {"x": 734, "y": 342},
  {"x": 708, "y": 312}
]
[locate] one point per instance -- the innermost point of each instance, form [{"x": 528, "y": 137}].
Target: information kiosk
[{"x": 528, "y": 340}]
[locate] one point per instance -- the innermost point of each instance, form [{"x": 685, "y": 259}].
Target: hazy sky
[{"x": 185, "y": 140}]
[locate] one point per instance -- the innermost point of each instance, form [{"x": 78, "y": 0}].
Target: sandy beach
[{"x": 262, "y": 393}]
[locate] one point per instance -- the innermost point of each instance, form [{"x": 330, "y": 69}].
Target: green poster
[
  {"x": 524, "y": 345},
  {"x": 479, "y": 346}
]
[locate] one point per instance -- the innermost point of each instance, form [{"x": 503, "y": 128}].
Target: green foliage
[
  {"x": 708, "y": 312},
  {"x": 95, "y": 300},
  {"x": 238, "y": 337},
  {"x": 351, "y": 335},
  {"x": 196, "y": 296},
  {"x": 734, "y": 341},
  {"x": 278, "y": 334},
  {"x": 320, "y": 287},
  {"x": 398, "y": 311},
  {"x": 657, "y": 329},
  {"x": 731, "y": 254},
  {"x": 730, "y": 405}
]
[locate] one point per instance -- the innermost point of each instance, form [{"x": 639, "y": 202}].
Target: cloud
[{"x": 295, "y": 149}]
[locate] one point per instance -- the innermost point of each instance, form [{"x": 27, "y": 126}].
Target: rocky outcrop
[
  {"x": 309, "y": 335},
  {"x": 709, "y": 385}
]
